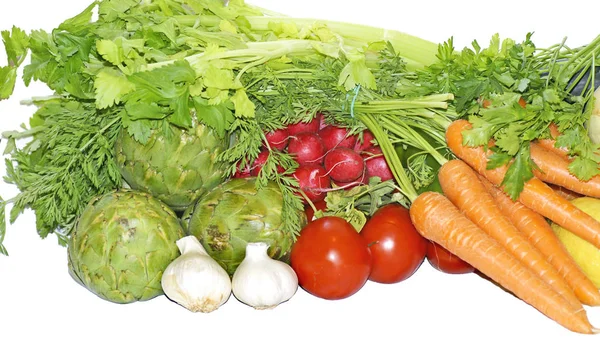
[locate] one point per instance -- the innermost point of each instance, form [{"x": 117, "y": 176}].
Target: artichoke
[
  {"x": 176, "y": 166},
  {"x": 234, "y": 214},
  {"x": 121, "y": 245}
]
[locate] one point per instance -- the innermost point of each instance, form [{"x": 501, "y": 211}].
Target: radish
[
  {"x": 376, "y": 164},
  {"x": 278, "y": 139},
  {"x": 367, "y": 137},
  {"x": 307, "y": 147},
  {"x": 322, "y": 120},
  {"x": 362, "y": 180},
  {"x": 335, "y": 136},
  {"x": 344, "y": 164},
  {"x": 260, "y": 161},
  {"x": 311, "y": 126},
  {"x": 241, "y": 173},
  {"x": 313, "y": 181}
]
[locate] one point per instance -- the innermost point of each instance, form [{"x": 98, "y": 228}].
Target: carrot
[
  {"x": 463, "y": 188},
  {"x": 550, "y": 145},
  {"x": 438, "y": 220},
  {"x": 554, "y": 169},
  {"x": 554, "y": 132},
  {"x": 564, "y": 192},
  {"x": 540, "y": 234},
  {"x": 536, "y": 195}
]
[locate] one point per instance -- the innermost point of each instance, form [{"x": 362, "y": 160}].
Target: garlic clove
[
  {"x": 262, "y": 282},
  {"x": 194, "y": 279}
]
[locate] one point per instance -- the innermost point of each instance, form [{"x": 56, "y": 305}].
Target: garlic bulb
[
  {"x": 195, "y": 280},
  {"x": 262, "y": 282},
  {"x": 594, "y": 122}
]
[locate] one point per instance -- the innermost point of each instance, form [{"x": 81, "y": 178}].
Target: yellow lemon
[{"x": 586, "y": 255}]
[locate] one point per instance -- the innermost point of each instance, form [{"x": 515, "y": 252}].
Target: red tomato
[
  {"x": 331, "y": 259},
  {"x": 445, "y": 261},
  {"x": 397, "y": 249}
]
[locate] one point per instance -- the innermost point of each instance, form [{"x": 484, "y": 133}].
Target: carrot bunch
[{"x": 510, "y": 241}]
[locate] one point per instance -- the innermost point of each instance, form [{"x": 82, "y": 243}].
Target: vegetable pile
[{"x": 197, "y": 149}]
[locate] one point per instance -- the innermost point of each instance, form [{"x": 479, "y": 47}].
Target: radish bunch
[{"x": 327, "y": 156}]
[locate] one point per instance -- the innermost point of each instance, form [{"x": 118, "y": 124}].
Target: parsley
[{"x": 500, "y": 76}]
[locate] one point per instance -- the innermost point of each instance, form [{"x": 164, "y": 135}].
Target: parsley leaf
[{"x": 519, "y": 172}]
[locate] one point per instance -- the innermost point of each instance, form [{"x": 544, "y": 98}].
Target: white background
[{"x": 39, "y": 302}]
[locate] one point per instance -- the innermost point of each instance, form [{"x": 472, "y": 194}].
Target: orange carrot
[
  {"x": 550, "y": 145},
  {"x": 540, "y": 234},
  {"x": 554, "y": 132},
  {"x": 554, "y": 169},
  {"x": 438, "y": 220},
  {"x": 463, "y": 188},
  {"x": 536, "y": 194},
  {"x": 564, "y": 192}
]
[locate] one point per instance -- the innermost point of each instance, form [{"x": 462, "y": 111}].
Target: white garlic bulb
[
  {"x": 594, "y": 122},
  {"x": 195, "y": 280},
  {"x": 262, "y": 282}
]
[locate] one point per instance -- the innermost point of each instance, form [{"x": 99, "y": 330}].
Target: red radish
[
  {"x": 311, "y": 126},
  {"x": 366, "y": 142},
  {"x": 322, "y": 122},
  {"x": 278, "y": 139},
  {"x": 313, "y": 180},
  {"x": 242, "y": 173},
  {"x": 362, "y": 180},
  {"x": 260, "y": 161},
  {"x": 376, "y": 164},
  {"x": 335, "y": 136},
  {"x": 307, "y": 147},
  {"x": 344, "y": 164}
]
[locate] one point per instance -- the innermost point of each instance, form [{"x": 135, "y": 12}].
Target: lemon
[{"x": 586, "y": 255}]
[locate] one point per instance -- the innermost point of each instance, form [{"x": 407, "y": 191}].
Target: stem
[
  {"x": 389, "y": 153},
  {"x": 256, "y": 51},
  {"x": 582, "y": 57},
  {"x": 37, "y": 99},
  {"x": 413, "y": 138},
  {"x": 23, "y": 134},
  {"x": 102, "y": 130},
  {"x": 249, "y": 66},
  {"x": 417, "y": 51}
]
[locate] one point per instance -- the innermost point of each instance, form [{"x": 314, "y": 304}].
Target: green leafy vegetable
[
  {"x": 68, "y": 161},
  {"x": 489, "y": 86},
  {"x": 143, "y": 65}
]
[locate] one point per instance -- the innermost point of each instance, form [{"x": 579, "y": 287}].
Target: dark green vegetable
[
  {"x": 122, "y": 244},
  {"x": 146, "y": 66}
]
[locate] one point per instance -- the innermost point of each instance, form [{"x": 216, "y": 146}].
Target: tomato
[
  {"x": 331, "y": 259},
  {"x": 319, "y": 205},
  {"x": 397, "y": 249},
  {"x": 445, "y": 261}
]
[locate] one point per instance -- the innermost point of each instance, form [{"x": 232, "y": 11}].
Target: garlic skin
[
  {"x": 194, "y": 279},
  {"x": 594, "y": 122},
  {"x": 262, "y": 282}
]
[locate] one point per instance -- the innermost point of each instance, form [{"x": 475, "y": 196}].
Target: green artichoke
[
  {"x": 121, "y": 244},
  {"x": 177, "y": 166},
  {"x": 234, "y": 214}
]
